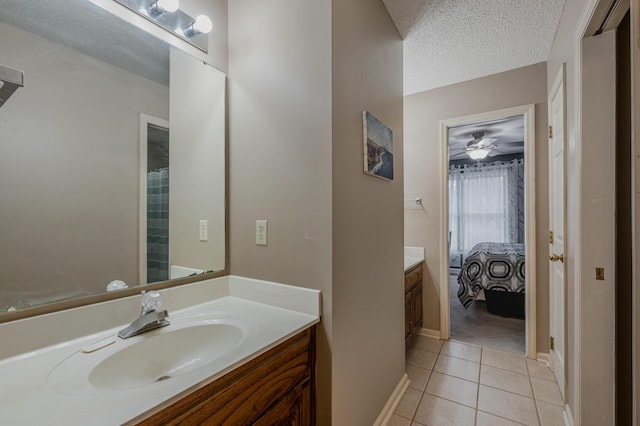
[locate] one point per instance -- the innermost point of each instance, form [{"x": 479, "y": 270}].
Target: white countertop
[
  {"x": 28, "y": 395},
  {"x": 413, "y": 256}
]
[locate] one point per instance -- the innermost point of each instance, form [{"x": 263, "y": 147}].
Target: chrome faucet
[{"x": 151, "y": 317}]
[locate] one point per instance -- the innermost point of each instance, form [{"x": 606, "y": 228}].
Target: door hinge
[
  {"x": 551, "y": 343},
  {"x": 550, "y": 237},
  {"x": 550, "y": 132}
]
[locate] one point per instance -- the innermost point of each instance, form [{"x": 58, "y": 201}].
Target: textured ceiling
[{"x": 449, "y": 41}]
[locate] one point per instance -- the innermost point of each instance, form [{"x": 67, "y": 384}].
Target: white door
[{"x": 556, "y": 226}]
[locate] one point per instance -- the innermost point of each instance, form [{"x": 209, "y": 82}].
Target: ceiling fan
[{"x": 480, "y": 146}]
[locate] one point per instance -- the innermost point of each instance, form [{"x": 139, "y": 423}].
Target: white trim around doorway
[{"x": 530, "y": 238}]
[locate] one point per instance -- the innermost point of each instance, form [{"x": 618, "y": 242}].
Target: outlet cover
[{"x": 261, "y": 232}]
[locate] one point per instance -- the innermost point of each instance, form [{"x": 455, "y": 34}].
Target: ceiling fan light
[
  {"x": 488, "y": 141},
  {"x": 478, "y": 154}
]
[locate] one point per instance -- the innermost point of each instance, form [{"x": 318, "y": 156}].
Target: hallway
[{"x": 453, "y": 383}]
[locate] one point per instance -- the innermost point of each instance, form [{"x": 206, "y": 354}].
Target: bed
[{"x": 499, "y": 270}]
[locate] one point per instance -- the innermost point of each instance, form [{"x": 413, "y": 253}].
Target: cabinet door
[
  {"x": 294, "y": 409},
  {"x": 417, "y": 307},
  {"x": 408, "y": 317},
  {"x": 243, "y": 396}
]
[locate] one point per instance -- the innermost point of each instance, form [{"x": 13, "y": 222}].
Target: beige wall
[
  {"x": 280, "y": 151},
  {"x": 300, "y": 74},
  {"x": 423, "y": 112},
  {"x": 368, "y": 285},
  {"x": 69, "y": 170},
  {"x": 196, "y": 163}
]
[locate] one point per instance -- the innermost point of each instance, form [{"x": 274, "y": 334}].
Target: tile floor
[{"x": 460, "y": 384}]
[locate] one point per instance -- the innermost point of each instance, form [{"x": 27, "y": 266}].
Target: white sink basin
[
  {"x": 185, "y": 346},
  {"x": 165, "y": 355}
]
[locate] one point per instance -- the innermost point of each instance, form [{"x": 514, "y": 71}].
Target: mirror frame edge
[{"x": 103, "y": 297}]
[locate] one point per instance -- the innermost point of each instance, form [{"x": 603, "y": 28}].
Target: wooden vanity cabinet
[
  {"x": 276, "y": 388},
  {"x": 412, "y": 302}
]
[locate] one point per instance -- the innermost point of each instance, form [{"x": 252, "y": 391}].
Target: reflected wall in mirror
[{"x": 71, "y": 158}]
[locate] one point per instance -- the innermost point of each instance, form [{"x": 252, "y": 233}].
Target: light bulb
[
  {"x": 202, "y": 25},
  {"x": 478, "y": 154},
  {"x": 160, "y": 7},
  {"x": 168, "y": 5}
]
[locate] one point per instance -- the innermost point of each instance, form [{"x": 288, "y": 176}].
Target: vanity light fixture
[
  {"x": 160, "y": 7},
  {"x": 167, "y": 15},
  {"x": 201, "y": 25}
]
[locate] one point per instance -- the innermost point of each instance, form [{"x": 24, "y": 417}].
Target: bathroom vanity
[
  {"x": 275, "y": 388},
  {"x": 413, "y": 262},
  {"x": 237, "y": 351}
]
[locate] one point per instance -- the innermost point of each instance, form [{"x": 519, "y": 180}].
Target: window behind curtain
[{"x": 485, "y": 204}]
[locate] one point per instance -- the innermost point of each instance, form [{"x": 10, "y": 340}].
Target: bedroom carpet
[{"x": 477, "y": 326}]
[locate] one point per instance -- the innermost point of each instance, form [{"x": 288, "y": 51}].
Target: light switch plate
[
  {"x": 261, "y": 232},
  {"x": 204, "y": 230}
]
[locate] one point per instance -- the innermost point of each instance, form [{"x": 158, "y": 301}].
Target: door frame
[
  {"x": 530, "y": 208},
  {"x": 561, "y": 79},
  {"x": 590, "y": 18}
]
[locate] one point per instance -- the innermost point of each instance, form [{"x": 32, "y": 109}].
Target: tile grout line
[
  {"x": 493, "y": 414},
  {"x": 535, "y": 402},
  {"x": 413, "y": 418},
  {"x": 501, "y": 417},
  {"x": 424, "y": 391},
  {"x": 478, "y": 393}
]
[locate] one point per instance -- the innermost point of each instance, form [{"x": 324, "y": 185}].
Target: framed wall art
[{"x": 378, "y": 147}]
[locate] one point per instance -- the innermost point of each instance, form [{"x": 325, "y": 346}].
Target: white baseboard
[
  {"x": 567, "y": 417},
  {"x": 543, "y": 357},
  {"x": 429, "y": 333},
  {"x": 392, "y": 403}
]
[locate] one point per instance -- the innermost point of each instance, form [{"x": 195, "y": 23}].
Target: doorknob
[{"x": 555, "y": 258}]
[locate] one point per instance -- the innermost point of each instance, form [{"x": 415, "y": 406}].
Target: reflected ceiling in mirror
[{"x": 73, "y": 161}]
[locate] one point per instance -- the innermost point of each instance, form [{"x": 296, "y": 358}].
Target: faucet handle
[{"x": 151, "y": 300}]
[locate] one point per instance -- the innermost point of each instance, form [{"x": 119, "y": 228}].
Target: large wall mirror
[{"x": 112, "y": 156}]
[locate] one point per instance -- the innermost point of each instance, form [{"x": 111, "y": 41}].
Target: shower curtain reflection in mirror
[
  {"x": 158, "y": 225},
  {"x": 154, "y": 199}
]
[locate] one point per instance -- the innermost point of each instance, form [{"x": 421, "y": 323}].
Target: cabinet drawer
[
  {"x": 412, "y": 277},
  {"x": 243, "y": 395}
]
